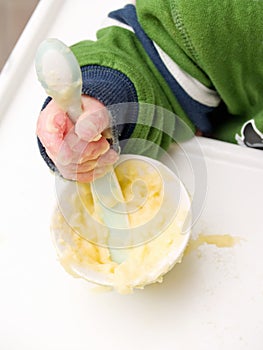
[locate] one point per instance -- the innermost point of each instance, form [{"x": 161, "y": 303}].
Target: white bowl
[{"x": 176, "y": 206}]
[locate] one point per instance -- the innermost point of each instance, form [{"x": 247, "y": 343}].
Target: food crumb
[{"x": 220, "y": 241}]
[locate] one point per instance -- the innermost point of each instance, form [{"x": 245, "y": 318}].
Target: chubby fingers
[
  {"x": 86, "y": 171},
  {"x": 52, "y": 125},
  {"x": 81, "y": 152},
  {"x": 94, "y": 120},
  {"x": 75, "y": 150},
  {"x": 90, "y": 175}
]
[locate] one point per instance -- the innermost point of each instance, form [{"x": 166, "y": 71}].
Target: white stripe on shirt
[
  {"x": 194, "y": 88},
  {"x": 110, "y": 22}
]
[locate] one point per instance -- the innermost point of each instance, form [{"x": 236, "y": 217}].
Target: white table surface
[{"x": 212, "y": 300}]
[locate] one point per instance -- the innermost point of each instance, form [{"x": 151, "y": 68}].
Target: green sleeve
[
  {"x": 119, "y": 49},
  {"x": 220, "y": 44}
]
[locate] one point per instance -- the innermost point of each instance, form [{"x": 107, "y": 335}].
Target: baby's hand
[{"x": 81, "y": 151}]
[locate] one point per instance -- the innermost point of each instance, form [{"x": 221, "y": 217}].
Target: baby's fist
[{"x": 80, "y": 152}]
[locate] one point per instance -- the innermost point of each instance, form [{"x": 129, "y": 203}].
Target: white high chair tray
[{"x": 212, "y": 300}]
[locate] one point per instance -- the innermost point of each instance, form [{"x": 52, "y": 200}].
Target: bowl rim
[{"x": 164, "y": 265}]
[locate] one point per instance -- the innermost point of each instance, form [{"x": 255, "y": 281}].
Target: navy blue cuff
[
  {"x": 113, "y": 89},
  {"x": 41, "y": 148},
  {"x": 46, "y": 158}
]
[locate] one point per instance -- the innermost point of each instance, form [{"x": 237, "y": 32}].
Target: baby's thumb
[
  {"x": 86, "y": 129},
  {"x": 92, "y": 123}
]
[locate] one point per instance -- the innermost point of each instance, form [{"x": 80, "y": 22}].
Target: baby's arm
[{"x": 115, "y": 70}]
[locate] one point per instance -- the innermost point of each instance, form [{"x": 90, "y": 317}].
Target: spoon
[{"x": 59, "y": 73}]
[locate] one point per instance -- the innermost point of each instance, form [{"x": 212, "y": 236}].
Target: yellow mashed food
[{"x": 145, "y": 263}]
